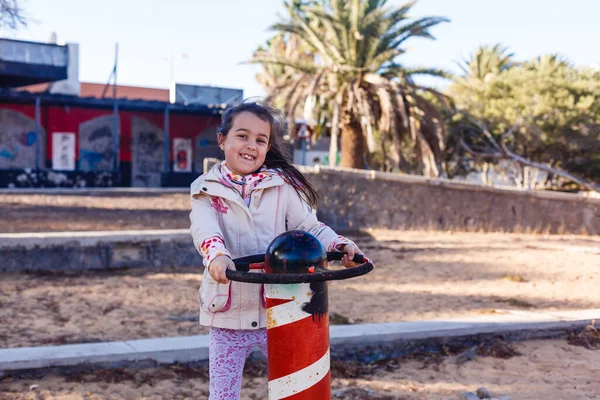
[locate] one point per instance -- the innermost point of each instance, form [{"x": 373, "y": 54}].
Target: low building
[{"x": 58, "y": 132}]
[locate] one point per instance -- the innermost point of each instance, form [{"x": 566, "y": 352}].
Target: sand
[
  {"x": 551, "y": 369},
  {"x": 419, "y": 275},
  {"x": 97, "y": 212}
]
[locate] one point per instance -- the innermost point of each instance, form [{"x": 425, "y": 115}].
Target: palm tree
[
  {"x": 486, "y": 61},
  {"x": 348, "y": 77},
  {"x": 273, "y": 76},
  {"x": 548, "y": 63}
]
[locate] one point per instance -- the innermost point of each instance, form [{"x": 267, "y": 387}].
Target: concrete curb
[
  {"x": 79, "y": 251},
  {"x": 364, "y": 342}
]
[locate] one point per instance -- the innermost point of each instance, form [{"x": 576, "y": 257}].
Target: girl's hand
[
  {"x": 219, "y": 266},
  {"x": 351, "y": 250}
]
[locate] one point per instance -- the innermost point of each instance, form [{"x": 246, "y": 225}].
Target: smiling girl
[{"x": 238, "y": 208}]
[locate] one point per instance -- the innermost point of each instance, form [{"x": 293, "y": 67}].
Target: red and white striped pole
[
  {"x": 298, "y": 341},
  {"x": 297, "y": 313}
]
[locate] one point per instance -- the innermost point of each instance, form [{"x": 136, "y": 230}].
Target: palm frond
[
  {"x": 419, "y": 28},
  {"x": 399, "y": 70},
  {"x": 267, "y": 59}
]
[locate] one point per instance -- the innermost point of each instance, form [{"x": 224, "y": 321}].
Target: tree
[
  {"x": 487, "y": 61},
  {"x": 346, "y": 74},
  {"x": 542, "y": 114},
  {"x": 11, "y": 15}
]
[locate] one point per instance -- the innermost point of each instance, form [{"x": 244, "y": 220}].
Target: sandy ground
[
  {"x": 419, "y": 275},
  {"x": 101, "y": 211},
  {"x": 533, "y": 370}
]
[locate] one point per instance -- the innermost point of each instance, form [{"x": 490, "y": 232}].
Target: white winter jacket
[{"x": 217, "y": 210}]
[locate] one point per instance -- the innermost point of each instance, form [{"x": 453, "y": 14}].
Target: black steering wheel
[{"x": 243, "y": 266}]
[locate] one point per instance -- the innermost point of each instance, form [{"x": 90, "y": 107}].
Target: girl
[{"x": 238, "y": 208}]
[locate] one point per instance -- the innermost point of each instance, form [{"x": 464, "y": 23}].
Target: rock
[
  {"x": 467, "y": 355},
  {"x": 469, "y": 396},
  {"x": 483, "y": 393},
  {"x": 130, "y": 394}
]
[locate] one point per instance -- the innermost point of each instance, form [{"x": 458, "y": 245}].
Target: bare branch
[
  {"x": 503, "y": 152},
  {"x": 485, "y": 131},
  {"x": 485, "y": 156},
  {"x": 11, "y": 15},
  {"x": 582, "y": 182}
]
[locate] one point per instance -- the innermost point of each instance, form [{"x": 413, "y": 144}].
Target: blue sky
[{"x": 218, "y": 35}]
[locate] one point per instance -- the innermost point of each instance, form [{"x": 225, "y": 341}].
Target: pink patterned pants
[{"x": 228, "y": 350}]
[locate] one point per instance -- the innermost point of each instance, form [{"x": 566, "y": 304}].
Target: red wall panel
[{"x": 68, "y": 118}]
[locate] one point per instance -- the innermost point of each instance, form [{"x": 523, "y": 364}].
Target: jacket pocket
[{"x": 214, "y": 296}]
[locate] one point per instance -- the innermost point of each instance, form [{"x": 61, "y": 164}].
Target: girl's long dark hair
[{"x": 276, "y": 158}]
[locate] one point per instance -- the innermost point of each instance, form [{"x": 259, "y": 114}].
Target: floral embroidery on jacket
[{"x": 219, "y": 205}]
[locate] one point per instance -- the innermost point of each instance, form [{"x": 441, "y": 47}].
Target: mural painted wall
[
  {"x": 18, "y": 140},
  {"x": 147, "y": 153},
  {"x": 140, "y": 159},
  {"x": 97, "y": 144}
]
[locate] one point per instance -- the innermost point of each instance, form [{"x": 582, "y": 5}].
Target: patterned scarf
[{"x": 244, "y": 185}]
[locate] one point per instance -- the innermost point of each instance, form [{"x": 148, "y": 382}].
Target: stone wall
[{"x": 353, "y": 199}]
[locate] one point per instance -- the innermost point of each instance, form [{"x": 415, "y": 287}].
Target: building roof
[
  {"x": 89, "y": 89},
  {"x": 24, "y": 97},
  {"x": 26, "y": 63}
]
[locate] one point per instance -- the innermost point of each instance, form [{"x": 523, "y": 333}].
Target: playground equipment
[{"x": 295, "y": 281}]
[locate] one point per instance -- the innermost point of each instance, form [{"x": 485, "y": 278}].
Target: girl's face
[{"x": 246, "y": 144}]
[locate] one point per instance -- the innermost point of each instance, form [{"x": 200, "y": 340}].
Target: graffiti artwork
[
  {"x": 97, "y": 144},
  {"x": 17, "y": 140},
  {"x": 147, "y": 152}
]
